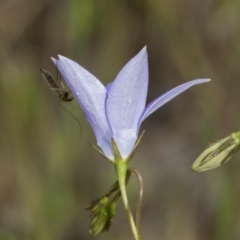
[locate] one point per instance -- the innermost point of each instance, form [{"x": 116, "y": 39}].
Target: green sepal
[
  {"x": 136, "y": 146},
  {"x": 117, "y": 154}
]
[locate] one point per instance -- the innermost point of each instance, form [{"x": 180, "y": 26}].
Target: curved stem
[
  {"x": 140, "y": 198},
  {"x": 121, "y": 169}
]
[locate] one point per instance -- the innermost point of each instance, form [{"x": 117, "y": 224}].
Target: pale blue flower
[{"x": 117, "y": 110}]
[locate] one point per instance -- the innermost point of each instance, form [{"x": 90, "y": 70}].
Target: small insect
[
  {"x": 61, "y": 91},
  {"x": 58, "y": 87}
]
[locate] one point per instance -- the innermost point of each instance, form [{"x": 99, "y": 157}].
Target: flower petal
[
  {"x": 126, "y": 101},
  {"x": 91, "y": 95},
  {"x": 166, "y": 97}
]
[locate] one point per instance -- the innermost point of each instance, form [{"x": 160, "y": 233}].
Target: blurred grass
[{"x": 48, "y": 172}]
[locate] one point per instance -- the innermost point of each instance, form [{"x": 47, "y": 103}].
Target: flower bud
[
  {"x": 102, "y": 213},
  {"x": 217, "y": 153}
]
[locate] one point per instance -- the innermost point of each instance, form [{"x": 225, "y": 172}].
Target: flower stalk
[{"x": 121, "y": 168}]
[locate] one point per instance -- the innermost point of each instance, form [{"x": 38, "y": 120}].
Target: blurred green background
[{"x": 48, "y": 172}]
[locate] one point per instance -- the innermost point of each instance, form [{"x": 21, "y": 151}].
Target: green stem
[{"x": 121, "y": 169}]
